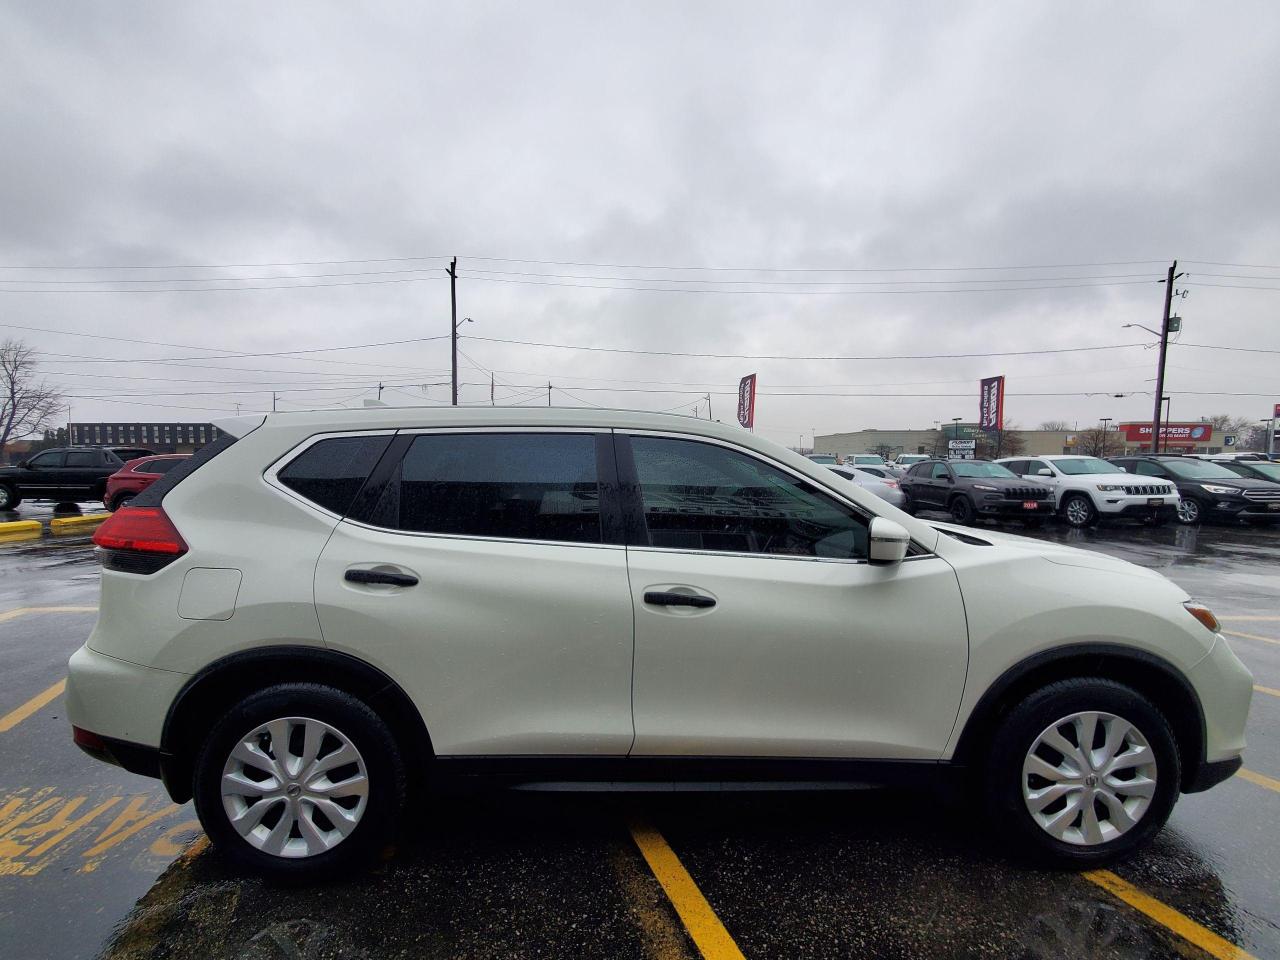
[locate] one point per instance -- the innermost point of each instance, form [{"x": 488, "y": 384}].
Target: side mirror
[
  {"x": 1044, "y": 472},
  {"x": 1122, "y": 469},
  {"x": 889, "y": 541}
]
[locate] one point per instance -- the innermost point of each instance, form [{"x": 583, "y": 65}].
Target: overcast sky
[{"x": 1089, "y": 143}]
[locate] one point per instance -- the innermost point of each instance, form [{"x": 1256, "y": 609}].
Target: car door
[
  {"x": 487, "y": 577},
  {"x": 42, "y": 478},
  {"x": 761, "y": 629},
  {"x": 81, "y": 471},
  {"x": 936, "y": 485},
  {"x": 1031, "y": 471}
]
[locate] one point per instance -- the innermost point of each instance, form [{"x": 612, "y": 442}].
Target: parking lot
[{"x": 93, "y": 859}]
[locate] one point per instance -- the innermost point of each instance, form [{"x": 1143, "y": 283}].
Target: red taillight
[
  {"x": 87, "y": 740},
  {"x": 144, "y": 529}
]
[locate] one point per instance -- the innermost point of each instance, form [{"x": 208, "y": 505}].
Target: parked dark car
[
  {"x": 64, "y": 474},
  {"x": 1209, "y": 491},
  {"x": 1253, "y": 469},
  {"x": 973, "y": 489},
  {"x": 136, "y": 475}
]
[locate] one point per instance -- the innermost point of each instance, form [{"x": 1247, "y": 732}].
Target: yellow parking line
[
  {"x": 709, "y": 935},
  {"x": 1271, "y": 690},
  {"x": 15, "y": 717},
  {"x": 25, "y": 611},
  {"x": 1167, "y": 917},
  {"x": 1250, "y": 636},
  {"x": 1258, "y": 778}
]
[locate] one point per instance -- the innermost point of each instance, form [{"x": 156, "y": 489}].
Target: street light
[
  {"x": 956, "y": 431},
  {"x": 1271, "y": 432}
]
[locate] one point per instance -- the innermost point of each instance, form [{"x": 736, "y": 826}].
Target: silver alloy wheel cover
[
  {"x": 4, "y": 497},
  {"x": 1118, "y": 777},
  {"x": 260, "y": 777},
  {"x": 1188, "y": 511},
  {"x": 1077, "y": 512}
]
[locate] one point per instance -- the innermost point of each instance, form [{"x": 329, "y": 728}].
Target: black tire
[
  {"x": 122, "y": 500},
  {"x": 1078, "y": 511},
  {"x": 1014, "y": 739},
  {"x": 907, "y": 506},
  {"x": 9, "y": 498},
  {"x": 365, "y": 730},
  {"x": 1190, "y": 511},
  {"x": 961, "y": 510}
]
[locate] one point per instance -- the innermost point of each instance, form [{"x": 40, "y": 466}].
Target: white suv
[
  {"x": 322, "y": 609},
  {"x": 1087, "y": 489}
]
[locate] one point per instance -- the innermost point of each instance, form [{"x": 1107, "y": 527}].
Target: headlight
[
  {"x": 983, "y": 486},
  {"x": 1204, "y": 615},
  {"x": 1220, "y": 491},
  {"x": 1109, "y": 487}
]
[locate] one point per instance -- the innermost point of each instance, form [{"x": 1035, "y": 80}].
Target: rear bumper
[
  {"x": 1212, "y": 774},
  {"x": 118, "y": 700}
]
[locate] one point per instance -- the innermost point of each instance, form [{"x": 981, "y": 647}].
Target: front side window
[
  {"x": 700, "y": 496},
  {"x": 1148, "y": 469},
  {"x": 328, "y": 473},
  {"x": 45, "y": 460},
  {"x": 522, "y": 486},
  {"x": 940, "y": 471}
]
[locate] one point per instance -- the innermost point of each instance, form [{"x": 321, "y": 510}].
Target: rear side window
[
  {"x": 157, "y": 466},
  {"x": 331, "y": 472},
  {"x": 699, "y": 496},
  {"x": 521, "y": 486},
  {"x": 84, "y": 458}
]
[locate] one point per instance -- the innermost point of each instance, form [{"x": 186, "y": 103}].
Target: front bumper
[
  {"x": 1014, "y": 508},
  {"x": 1225, "y": 688},
  {"x": 1166, "y": 511}
]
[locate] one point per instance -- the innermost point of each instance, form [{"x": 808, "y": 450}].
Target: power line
[
  {"x": 747, "y": 356},
  {"x": 230, "y": 266},
  {"x": 282, "y": 276},
  {"x": 491, "y": 274},
  {"x": 820, "y": 293},
  {"x": 653, "y": 266},
  {"x": 222, "y": 356},
  {"x": 286, "y": 286}
]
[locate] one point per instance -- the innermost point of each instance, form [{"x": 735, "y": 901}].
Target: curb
[
  {"x": 20, "y": 530},
  {"x": 61, "y": 524}
]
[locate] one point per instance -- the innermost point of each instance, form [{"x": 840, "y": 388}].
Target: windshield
[
  {"x": 1199, "y": 469},
  {"x": 975, "y": 468},
  {"x": 1076, "y": 467},
  {"x": 822, "y": 458},
  {"x": 1270, "y": 471},
  {"x": 913, "y": 458},
  {"x": 868, "y": 460}
]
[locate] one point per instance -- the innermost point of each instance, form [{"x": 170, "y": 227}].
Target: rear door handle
[
  {"x": 379, "y": 576},
  {"x": 663, "y": 599}
]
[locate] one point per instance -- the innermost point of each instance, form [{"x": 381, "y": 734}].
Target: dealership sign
[
  {"x": 991, "y": 403},
  {"x": 1186, "y": 432},
  {"x": 747, "y": 401}
]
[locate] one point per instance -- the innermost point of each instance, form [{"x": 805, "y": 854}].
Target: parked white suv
[
  {"x": 1087, "y": 489},
  {"x": 321, "y": 609}
]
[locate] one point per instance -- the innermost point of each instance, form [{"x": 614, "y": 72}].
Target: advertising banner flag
[
  {"x": 747, "y": 401},
  {"x": 991, "y": 403}
]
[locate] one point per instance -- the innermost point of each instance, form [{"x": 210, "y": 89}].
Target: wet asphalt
[{"x": 97, "y": 862}]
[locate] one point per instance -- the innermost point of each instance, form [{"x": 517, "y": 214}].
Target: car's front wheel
[
  {"x": 1082, "y": 772},
  {"x": 9, "y": 498},
  {"x": 1190, "y": 510},
  {"x": 961, "y": 509},
  {"x": 300, "y": 780},
  {"x": 1078, "y": 510}
]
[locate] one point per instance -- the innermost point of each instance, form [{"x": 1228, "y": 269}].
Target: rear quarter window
[{"x": 331, "y": 472}]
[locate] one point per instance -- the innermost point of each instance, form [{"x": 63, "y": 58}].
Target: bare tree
[
  {"x": 27, "y": 404},
  {"x": 1057, "y": 425},
  {"x": 1097, "y": 442},
  {"x": 1226, "y": 425},
  {"x": 1001, "y": 443}
]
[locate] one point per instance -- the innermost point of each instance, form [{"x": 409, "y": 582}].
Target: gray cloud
[{"x": 718, "y": 134}]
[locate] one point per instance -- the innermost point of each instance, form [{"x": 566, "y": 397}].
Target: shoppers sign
[
  {"x": 1184, "y": 432},
  {"x": 747, "y": 401},
  {"x": 991, "y": 403}
]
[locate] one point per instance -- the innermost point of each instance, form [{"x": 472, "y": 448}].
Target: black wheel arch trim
[
  {"x": 282, "y": 663},
  {"x": 1094, "y": 657}
]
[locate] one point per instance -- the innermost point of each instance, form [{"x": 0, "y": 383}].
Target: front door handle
[
  {"x": 379, "y": 576},
  {"x": 667, "y": 599}
]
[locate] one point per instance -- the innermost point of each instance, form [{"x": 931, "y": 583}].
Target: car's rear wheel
[
  {"x": 123, "y": 500},
  {"x": 1190, "y": 510},
  {"x": 1082, "y": 772},
  {"x": 9, "y": 498},
  {"x": 961, "y": 509},
  {"x": 1078, "y": 510},
  {"x": 300, "y": 781}
]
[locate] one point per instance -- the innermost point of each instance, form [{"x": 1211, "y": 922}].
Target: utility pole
[
  {"x": 548, "y": 394},
  {"x": 379, "y": 390},
  {"x": 708, "y": 406},
  {"x": 453, "y": 322},
  {"x": 273, "y": 401},
  {"x": 1164, "y": 347},
  {"x": 491, "y": 388}
]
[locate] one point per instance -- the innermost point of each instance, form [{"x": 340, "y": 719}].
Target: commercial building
[
  {"x": 160, "y": 437},
  {"x": 1126, "y": 438}
]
